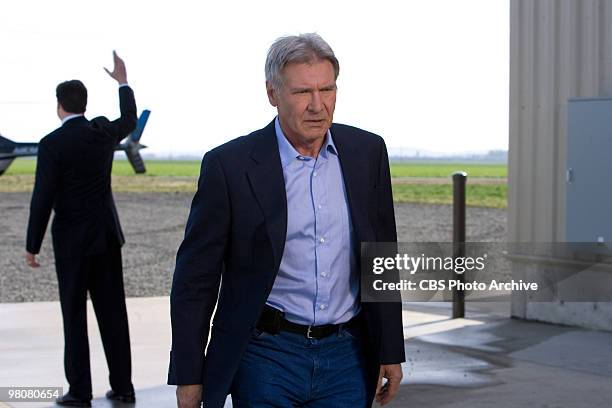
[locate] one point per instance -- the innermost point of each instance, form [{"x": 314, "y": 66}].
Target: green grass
[
  {"x": 446, "y": 169},
  {"x": 181, "y": 176},
  {"x": 21, "y": 167},
  {"x": 192, "y": 168},
  {"x": 168, "y": 168},
  {"x": 476, "y": 195}
]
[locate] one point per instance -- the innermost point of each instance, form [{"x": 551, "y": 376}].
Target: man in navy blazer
[
  {"x": 73, "y": 177},
  {"x": 272, "y": 241}
]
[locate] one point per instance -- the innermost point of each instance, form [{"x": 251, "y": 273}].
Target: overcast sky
[{"x": 430, "y": 75}]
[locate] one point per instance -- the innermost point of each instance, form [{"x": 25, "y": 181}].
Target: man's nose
[{"x": 315, "y": 104}]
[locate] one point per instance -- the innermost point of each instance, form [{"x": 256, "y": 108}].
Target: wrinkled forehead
[{"x": 314, "y": 72}]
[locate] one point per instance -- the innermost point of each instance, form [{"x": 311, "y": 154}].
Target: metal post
[{"x": 459, "y": 181}]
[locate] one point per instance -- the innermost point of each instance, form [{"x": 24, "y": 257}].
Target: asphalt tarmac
[{"x": 154, "y": 225}]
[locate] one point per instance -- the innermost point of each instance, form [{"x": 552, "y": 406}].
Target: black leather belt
[{"x": 273, "y": 321}]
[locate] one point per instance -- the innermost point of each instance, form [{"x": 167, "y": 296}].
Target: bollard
[{"x": 459, "y": 181}]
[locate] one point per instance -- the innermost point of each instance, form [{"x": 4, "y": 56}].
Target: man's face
[{"x": 306, "y": 100}]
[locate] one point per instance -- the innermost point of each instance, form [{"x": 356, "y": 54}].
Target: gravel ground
[{"x": 154, "y": 223}]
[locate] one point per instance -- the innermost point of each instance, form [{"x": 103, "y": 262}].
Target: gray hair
[{"x": 302, "y": 48}]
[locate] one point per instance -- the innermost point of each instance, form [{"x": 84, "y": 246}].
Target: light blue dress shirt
[{"x": 317, "y": 282}]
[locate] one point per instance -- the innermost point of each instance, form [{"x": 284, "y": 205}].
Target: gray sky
[{"x": 431, "y": 75}]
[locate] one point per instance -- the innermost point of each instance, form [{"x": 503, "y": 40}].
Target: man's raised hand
[{"x": 119, "y": 73}]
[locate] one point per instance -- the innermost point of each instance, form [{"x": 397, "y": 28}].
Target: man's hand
[
  {"x": 393, "y": 374},
  {"x": 189, "y": 396},
  {"x": 31, "y": 260},
  {"x": 119, "y": 73}
]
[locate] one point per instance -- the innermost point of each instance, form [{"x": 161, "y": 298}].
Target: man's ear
[{"x": 272, "y": 94}]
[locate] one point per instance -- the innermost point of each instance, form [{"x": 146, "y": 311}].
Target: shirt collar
[
  {"x": 75, "y": 115},
  {"x": 288, "y": 152}
]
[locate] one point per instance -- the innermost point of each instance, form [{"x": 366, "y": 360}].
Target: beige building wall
[{"x": 559, "y": 49}]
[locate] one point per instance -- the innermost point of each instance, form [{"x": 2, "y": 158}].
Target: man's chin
[{"x": 316, "y": 131}]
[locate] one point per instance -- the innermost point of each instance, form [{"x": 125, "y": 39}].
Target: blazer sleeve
[
  {"x": 43, "y": 196},
  {"x": 119, "y": 128},
  {"x": 392, "y": 336},
  {"x": 197, "y": 275}
]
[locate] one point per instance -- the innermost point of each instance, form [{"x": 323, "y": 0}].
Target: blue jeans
[{"x": 290, "y": 370}]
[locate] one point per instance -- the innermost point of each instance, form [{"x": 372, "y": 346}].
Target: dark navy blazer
[
  {"x": 233, "y": 246},
  {"x": 73, "y": 176}
]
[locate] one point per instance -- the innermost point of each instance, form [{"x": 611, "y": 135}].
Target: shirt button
[
  {"x": 321, "y": 240},
  {"x": 322, "y": 307},
  {"x": 324, "y": 274},
  {"x": 319, "y": 206},
  {"x": 314, "y": 174}
]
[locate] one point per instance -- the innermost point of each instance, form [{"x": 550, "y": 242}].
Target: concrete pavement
[
  {"x": 485, "y": 360},
  {"x": 490, "y": 360}
]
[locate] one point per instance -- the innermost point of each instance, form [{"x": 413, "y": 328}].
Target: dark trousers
[{"x": 102, "y": 276}]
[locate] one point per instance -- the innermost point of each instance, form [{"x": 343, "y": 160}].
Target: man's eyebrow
[
  {"x": 298, "y": 89},
  {"x": 308, "y": 89}
]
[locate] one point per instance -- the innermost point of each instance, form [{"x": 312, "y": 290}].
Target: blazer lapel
[
  {"x": 268, "y": 184},
  {"x": 356, "y": 189}
]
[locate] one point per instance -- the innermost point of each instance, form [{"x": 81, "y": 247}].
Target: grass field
[
  {"x": 176, "y": 168},
  {"x": 181, "y": 176},
  {"x": 167, "y": 168},
  {"x": 494, "y": 196},
  {"x": 446, "y": 169}
]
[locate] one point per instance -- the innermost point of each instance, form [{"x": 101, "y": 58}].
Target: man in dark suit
[
  {"x": 272, "y": 240},
  {"x": 73, "y": 177}
]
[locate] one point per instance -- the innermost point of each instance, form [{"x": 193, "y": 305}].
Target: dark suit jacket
[
  {"x": 238, "y": 224},
  {"x": 73, "y": 176}
]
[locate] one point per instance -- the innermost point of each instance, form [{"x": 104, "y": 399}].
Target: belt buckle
[{"x": 309, "y": 332}]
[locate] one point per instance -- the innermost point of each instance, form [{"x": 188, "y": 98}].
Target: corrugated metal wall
[{"x": 559, "y": 49}]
